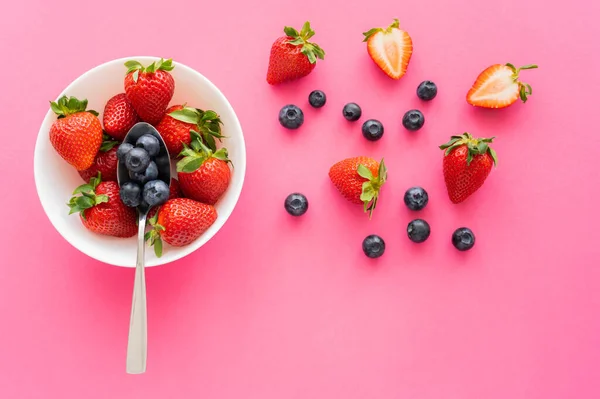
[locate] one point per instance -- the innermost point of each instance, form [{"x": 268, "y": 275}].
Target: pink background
[{"x": 275, "y": 307}]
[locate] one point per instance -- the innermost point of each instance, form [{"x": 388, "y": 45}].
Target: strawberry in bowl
[{"x": 126, "y": 91}]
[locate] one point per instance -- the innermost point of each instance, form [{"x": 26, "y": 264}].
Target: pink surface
[{"x": 276, "y": 308}]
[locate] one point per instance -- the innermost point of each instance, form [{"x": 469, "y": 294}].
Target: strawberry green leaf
[
  {"x": 158, "y": 247},
  {"x": 166, "y": 65},
  {"x": 289, "y": 31},
  {"x": 190, "y": 164},
  {"x": 83, "y": 188},
  {"x": 133, "y": 66},
  {"x": 151, "y": 68},
  {"x": 222, "y": 154},
  {"x": 108, "y": 145},
  {"x": 209, "y": 115},
  {"x": 101, "y": 198},
  {"x": 382, "y": 172},
  {"x": 136, "y": 75},
  {"x": 494, "y": 156},
  {"x": 210, "y": 142},
  {"x": 370, "y": 33},
  {"x": 187, "y": 115},
  {"x": 368, "y": 192},
  {"x": 364, "y": 172},
  {"x": 84, "y": 202}
]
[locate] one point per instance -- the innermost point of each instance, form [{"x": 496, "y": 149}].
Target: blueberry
[
  {"x": 416, "y": 198},
  {"x": 418, "y": 230},
  {"x": 427, "y": 90},
  {"x": 291, "y": 117},
  {"x": 296, "y": 204},
  {"x": 413, "y": 119},
  {"x": 149, "y": 143},
  {"x": 122, "y": 151},
  {"x": 130, "y": 194},
  {"x": 317, "y": 98},
  {"x": 151, "y": 173},
  {"x": 463, "y": 239},
  {"x": 373, "y": 246},
  {"x": 352, "y": 112},
  {"x": 137, "y": 160},
  {"x": 372, "y": 130},
  {"x": 155, "y": 192}
]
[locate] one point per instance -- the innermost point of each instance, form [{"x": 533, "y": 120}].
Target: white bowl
[{"x": 55, "y": 179}]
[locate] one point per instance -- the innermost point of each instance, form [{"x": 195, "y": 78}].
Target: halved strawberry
[
  {"x": 498, "y": 86},
  {"x": 390, "y": 48}
]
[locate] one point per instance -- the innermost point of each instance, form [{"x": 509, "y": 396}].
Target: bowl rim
[{"x": 181, "y": 251}]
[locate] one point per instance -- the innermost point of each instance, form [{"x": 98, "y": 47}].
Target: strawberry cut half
[
  {"x": 390, "y": 48},
  {"x": 498, "y": 86}
]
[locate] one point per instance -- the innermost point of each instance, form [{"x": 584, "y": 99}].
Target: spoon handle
[{"x": 137, "y": 345}]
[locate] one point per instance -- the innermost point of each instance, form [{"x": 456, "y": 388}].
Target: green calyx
[
  {"x": 371, "y": 32},
  {"x": 311, "y": 50},
  {"x": 474, "y": 146},
  {"x": 524, "y": 88},
  {"x": 153, "y": 238},
  {"x": 371, "y": 188},
  {"x": 197, "y": 153},
  {"x": 136, "y": 67},
  {"x": 66, "y": 106},
  {"x": 207, "y": 124},
  {"x": 84, "y": 197},
  {"x": 108, "y": 143}
]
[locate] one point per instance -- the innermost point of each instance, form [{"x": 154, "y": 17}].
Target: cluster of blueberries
[
  {"x": 418, "y": 230},
  {"x": 144, "y": 187},
  {"x": 292, "y": 117},
  {"x": 415, "y": 198}
]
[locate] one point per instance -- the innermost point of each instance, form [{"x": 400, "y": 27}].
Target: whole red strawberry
[
  {"x": 179, "y": 121},
  {"x": 467, "y": 163},
  {"x": 359, "y": 180},
  {"x": 150, "y": 89},
  {"x": 101, "y": 210},
  {"x": 77, "y": 134},
  {"x": 203, "y": 174},
  {"x": 106, "y": 162},
  {"x": 293, "y": 56},
  {"x": 119, "y": 116},
  {"x": 179, "y": 222}
]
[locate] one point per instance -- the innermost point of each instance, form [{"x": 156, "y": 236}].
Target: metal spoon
[{"x": 137, "y": 345}]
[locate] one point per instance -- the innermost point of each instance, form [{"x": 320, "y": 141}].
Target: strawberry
[
  {"x": 498, "y": 86},
  {"x": 203, "y": 174},
  {"x": 293, "y": 56},
  {"x": 179, "y": 222},
  {"x": 119, "y": 116},
  {"x": 467, "y": 163},
  {"x": 101, "y": 210},
  {"x": 77, "y": 134},
  {"x": 179, "y": 121},
  {"x": 106, "y": 162},
  {"x": 359, "y": 179},
  {"x": 390, "y": 48},
  {"x": 150, "y": 89}
]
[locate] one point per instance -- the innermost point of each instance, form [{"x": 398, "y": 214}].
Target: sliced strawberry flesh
[{"x": 391, "y": 51}]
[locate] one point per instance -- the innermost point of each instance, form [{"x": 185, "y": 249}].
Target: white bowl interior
[{"x": 56, "y": 179}]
